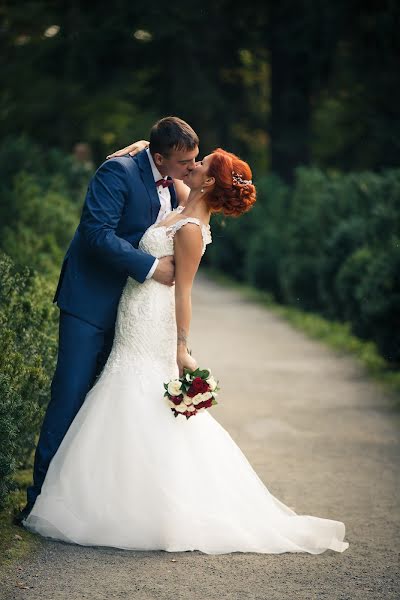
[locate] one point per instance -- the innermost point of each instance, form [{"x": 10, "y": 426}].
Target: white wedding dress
[{"x": 129, "y": 474}]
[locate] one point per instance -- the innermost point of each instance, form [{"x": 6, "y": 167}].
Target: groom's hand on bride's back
[{"x": 165, "y": 271}]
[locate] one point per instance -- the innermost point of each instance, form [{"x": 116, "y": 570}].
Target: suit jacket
[{"x": 120, "y": 204}]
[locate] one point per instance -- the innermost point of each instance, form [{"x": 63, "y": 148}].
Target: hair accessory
[{"x": 237, "y": 179}]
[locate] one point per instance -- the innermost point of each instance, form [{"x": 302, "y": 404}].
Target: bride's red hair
[{"x": 232, "y": 197}]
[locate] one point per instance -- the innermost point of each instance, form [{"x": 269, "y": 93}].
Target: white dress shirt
[{"x": 165, "y": 201}]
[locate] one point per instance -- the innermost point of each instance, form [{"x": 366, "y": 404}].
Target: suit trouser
[{"x": 83, "y": 350}]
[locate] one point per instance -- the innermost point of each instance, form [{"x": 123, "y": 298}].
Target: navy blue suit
[{"x": 121, "y": 203}]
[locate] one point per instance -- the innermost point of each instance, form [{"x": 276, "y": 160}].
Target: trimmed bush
[
  {"x": 328, "y": 245},
  {"x": 379, "y": 300},
  {"x": 39, "y": 210},
  {"x": 27, "y": 357}
]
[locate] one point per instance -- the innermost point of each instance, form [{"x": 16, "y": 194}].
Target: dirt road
[{"x": 322, "y": 437}]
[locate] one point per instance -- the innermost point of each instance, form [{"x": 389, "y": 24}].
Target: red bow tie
[{"x": 164, "y": 182}]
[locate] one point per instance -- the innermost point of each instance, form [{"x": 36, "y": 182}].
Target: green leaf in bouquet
[
  {"x": 213, "y": 401},
  {"x": 204, "y": 374}
]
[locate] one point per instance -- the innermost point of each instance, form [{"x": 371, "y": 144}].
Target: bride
[{"x": 128, "y": 474}]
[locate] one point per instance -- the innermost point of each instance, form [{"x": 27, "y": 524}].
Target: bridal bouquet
[{"x": 192, "y": 393}]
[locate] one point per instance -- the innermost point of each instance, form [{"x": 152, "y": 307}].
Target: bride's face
[{"x": 198, "y": 177}]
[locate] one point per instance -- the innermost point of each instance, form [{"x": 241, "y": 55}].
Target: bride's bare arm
[
  {"x": 188, "y": 246},
  {"x": 182, "y": 191}
]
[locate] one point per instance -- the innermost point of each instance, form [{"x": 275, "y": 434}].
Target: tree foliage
[{"x": 285, "y": 84}]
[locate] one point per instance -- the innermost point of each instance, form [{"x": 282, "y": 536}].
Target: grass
[
  {"x": 336, "y": 335},
  {"x": 15, "y": 542}
]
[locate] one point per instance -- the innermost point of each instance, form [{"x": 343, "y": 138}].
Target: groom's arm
[{"x": 104, "y": 204}]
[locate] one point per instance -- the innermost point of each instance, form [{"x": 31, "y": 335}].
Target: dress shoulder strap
[{"x": 205, "y": 229}]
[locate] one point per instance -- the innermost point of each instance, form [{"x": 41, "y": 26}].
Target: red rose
[
  {"x": 204, "y": 404},
  {"x": 191, "y": 392},
  {"x": 200, "y": 386},
  {"x": 176, "y": 399},
  {"x": 189, "y": 414}
]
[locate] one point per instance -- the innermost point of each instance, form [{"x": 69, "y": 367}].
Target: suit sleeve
[{"x": 104, "y": 205}]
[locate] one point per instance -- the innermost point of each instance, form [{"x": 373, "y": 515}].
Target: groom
[{"x": 125, "y": 196}]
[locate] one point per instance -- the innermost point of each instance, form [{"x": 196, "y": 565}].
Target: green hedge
[
  {"x": 330, "y": 244},
  {"x": 27, "y": 354},
  {"x": 41, "y": 195}
]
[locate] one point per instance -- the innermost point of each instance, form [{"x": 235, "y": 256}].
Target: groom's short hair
[{"x": 172, "y": 133}]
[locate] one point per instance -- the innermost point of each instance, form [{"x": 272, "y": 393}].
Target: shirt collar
[{"x": 156, "y": 173}]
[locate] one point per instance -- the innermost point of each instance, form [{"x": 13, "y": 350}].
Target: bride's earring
[{"x": 202, "y": 191}]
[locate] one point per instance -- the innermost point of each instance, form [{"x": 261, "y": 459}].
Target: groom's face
[{"x": 177, "y": 164}]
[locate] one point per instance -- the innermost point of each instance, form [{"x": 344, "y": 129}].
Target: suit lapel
[{"x": 148, "y": 180}]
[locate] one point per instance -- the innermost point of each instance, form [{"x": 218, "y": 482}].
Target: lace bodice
[
  {"x": 158, "y": 239},
  {"x": 145, "y": 330}
]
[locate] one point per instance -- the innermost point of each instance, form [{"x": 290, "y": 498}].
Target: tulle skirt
[{"x": 130, "y": 475}]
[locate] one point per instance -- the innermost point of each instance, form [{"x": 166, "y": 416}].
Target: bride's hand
[
  {"x": 132, "y": 149},
  {"x": 185, "y": 361}
]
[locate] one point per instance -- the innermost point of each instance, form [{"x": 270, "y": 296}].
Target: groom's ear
[{"x": 158, "y": 159}]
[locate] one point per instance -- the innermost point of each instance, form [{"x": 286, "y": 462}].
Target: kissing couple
[{"x": 113, "y": 466}]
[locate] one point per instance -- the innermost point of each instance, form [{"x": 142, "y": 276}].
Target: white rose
[
  {"x": 181, "y": 408},
  {"x": 174, "y": 387},
  {"x": 197, "y": 398},
  {"x": 191, "y": 408},
  {"x": 212, "y": 383},
  {"x": 201, "y": 397},
  {"x": 187, "y": 400}
]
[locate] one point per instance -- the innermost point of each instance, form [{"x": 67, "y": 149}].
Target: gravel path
[{"x": 323, "y": 438}]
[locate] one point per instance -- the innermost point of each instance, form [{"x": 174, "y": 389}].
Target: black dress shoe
[{"x": 21, "y": 515}]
